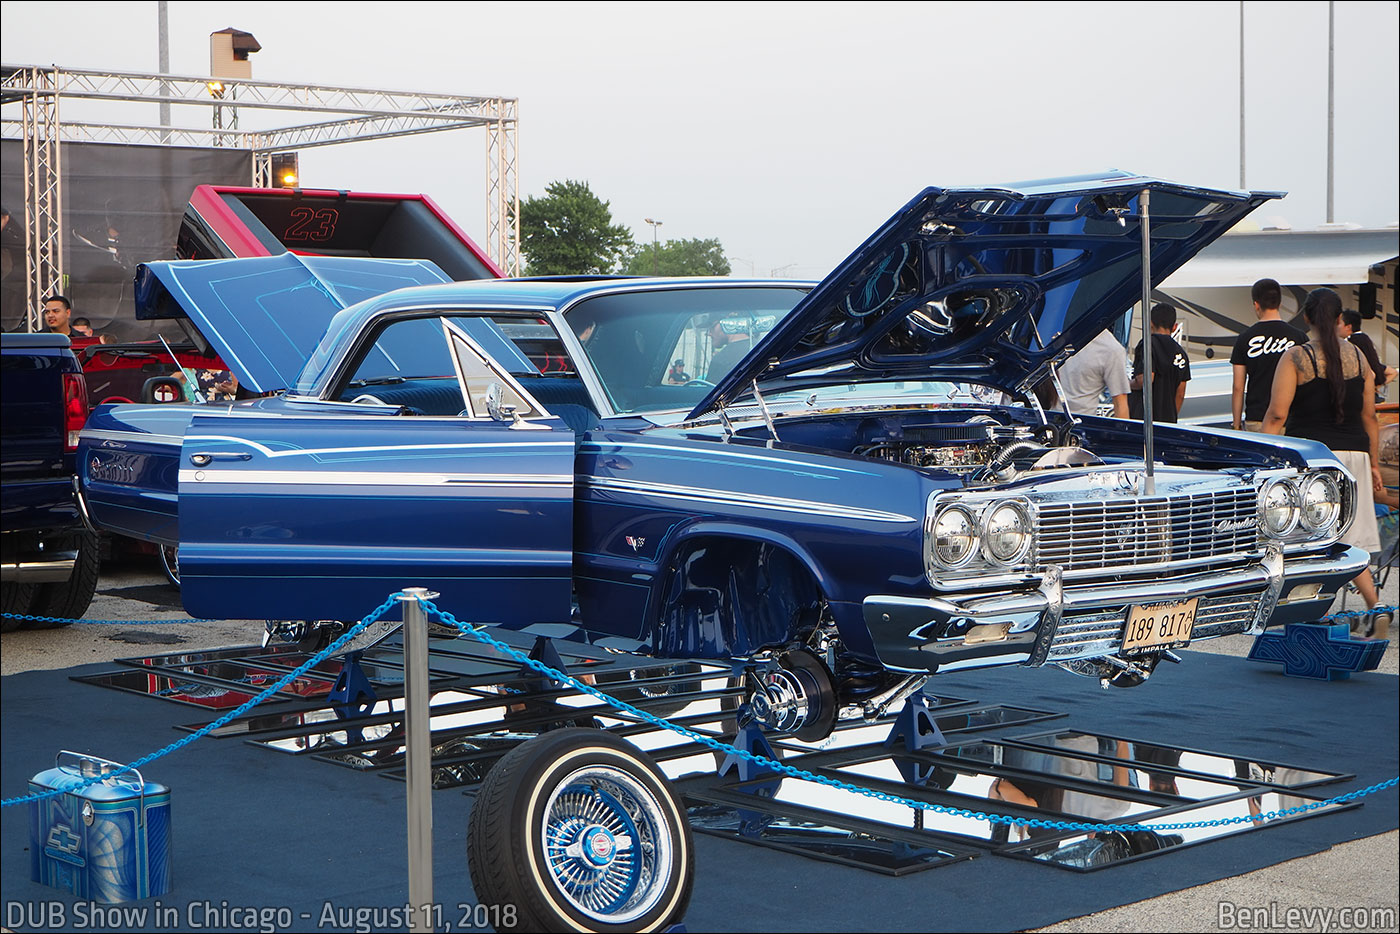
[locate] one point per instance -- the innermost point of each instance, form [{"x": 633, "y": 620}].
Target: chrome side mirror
[
  {"x": 503, "y": 411},
  {"x": 497, "y": 407}
]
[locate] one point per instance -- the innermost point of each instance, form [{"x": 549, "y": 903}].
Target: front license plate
[{"x": 1159, "y": 624}]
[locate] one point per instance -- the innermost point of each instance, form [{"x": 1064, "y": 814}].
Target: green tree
[
  {"x": 678, "y": 258},
  {"x": 569, "y": 231}
]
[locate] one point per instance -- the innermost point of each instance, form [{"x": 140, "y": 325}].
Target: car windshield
[{"x": 665, "y": 349}]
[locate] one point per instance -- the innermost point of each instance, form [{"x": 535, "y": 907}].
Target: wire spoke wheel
[
  {"x": 581, "y": 831},
  {"x": 600, "y": 838}
]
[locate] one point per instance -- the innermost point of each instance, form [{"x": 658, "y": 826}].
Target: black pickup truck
[{"x": 48, "y": 555}]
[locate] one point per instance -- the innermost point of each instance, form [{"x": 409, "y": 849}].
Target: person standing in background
[
  {"x": 1323, "y": 390},
  {"x": 1170, "y": 368},
  {"x": 1351, "y": 331},
  {"x": 1256, "y": 355},
  {"x": 58, "y": 315},
  {"x": 1101, "y": 364},
  {"x": 82, "y": 330}
]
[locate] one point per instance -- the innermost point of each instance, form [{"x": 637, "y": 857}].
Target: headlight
[
  {"x": 1279, "y": 508},
  {"x": 954, "y": 537},
  {"x": 1006, "y": 533},
  {"x": 1321, "y": 502}
]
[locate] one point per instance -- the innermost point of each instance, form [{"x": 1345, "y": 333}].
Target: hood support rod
[
  {"x": 1150, "y": 482},
  {"x": 187, "y": 374},
  {"x": 763, "y": 407}
]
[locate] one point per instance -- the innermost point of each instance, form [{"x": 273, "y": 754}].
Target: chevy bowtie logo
[
  {"x": 1233, "y": 525},
  {"x": 1317, "y": 650},
  {"x": 63, "y": 840}
]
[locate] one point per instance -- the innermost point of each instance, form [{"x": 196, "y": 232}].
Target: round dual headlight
[
  {"x": 1278, "y": 505},
  {"x": 1321, "y": 502},
  {"x": 1006, "y": 533},
  {"x": 954, "y": 537}
]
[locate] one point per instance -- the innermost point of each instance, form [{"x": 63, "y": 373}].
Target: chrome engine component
[
  {"x": 798, "y": 697},
  {"x": 982, "y": 449},
  {"x": 1114, "y": 671},
  {"x": 875, "y": 707}
]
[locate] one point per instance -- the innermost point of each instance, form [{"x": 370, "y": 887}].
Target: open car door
[{"x": 323, "y": 516}]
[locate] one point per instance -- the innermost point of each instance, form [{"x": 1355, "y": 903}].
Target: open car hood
[
  {"x": 985, "y": 285},
  {"x": 264, "y": 315}
]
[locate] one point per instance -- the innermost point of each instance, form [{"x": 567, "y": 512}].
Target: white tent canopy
[{"x": 1309, "y": 257}]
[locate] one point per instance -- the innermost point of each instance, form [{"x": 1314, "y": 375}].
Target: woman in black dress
[{"x": 1324, "y": 390}]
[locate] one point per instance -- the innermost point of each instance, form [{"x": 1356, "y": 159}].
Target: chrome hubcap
[
  {"x": 784, "y": 703},
  {"x": 606, "y": 844}
]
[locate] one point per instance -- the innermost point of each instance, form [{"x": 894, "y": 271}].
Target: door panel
[{"x": 322, "y": 518}]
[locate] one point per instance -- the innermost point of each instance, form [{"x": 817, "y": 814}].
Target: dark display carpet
[{"x": 256, "y": 829}]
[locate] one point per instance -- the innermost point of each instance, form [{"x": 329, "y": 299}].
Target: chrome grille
[
  {"x": 1119, "y": 533},
  {"x": 1100, "y": 631}
]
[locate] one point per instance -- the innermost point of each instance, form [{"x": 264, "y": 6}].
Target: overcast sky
[{"x": 789, "y": 131}]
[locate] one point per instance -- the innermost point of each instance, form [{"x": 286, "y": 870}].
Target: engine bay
[
  {"x": 980, "y": 450},
  {"x": 979, "y": 445}
]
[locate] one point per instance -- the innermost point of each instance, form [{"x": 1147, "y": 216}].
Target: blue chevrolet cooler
[{"x": 108, "y": 842}]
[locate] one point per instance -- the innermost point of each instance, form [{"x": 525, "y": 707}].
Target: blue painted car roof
[{"x": 506, "y": 294}]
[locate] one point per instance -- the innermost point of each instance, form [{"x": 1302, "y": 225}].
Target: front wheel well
[{"x": 724, "y": 597}]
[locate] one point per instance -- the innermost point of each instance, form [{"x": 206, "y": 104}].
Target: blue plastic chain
[
  {"x": 785, "y": 769},
  {"x": 105, "y": 622},
  {"x": 238, "y": 711},
  {"x": 717, "y": 745}
]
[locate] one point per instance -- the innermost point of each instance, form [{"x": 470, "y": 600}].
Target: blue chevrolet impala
[
  {"x": 866, "y": 491},
  {"x": 847, "y": 485}
]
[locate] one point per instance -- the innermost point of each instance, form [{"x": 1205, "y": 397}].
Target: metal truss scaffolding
[
  {"x": 43, "y": 195},
  {"x": 339, "y": 115}
]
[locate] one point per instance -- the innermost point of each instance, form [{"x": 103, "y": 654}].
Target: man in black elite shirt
[
  {"x": 1256, "y": 354},
  {"x": 1170, "y": 369}
]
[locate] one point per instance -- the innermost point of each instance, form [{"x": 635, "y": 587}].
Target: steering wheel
[{"x": 701, "y": 382}]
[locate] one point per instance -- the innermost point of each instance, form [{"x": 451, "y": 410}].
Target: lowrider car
[
  {"x": 871, "y": 494},
  {"x": 851, "y": 503}
]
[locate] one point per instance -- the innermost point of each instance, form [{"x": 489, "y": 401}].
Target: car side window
[
  {"x": 448, "y": 363},
  {"x": 488, "y": 388}
]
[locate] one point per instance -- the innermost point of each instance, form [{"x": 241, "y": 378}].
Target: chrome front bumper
[{"x": 1055, "y": 623}]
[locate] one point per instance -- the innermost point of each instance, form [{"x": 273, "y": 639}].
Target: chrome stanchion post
[
  {"x": 418, "y": 755},
  {"x": 1148, "y": 454}
]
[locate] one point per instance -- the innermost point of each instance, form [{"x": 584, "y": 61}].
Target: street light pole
[
  {"x": 1331, "y": 84},
  {"x": 655, "y": 246}
]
